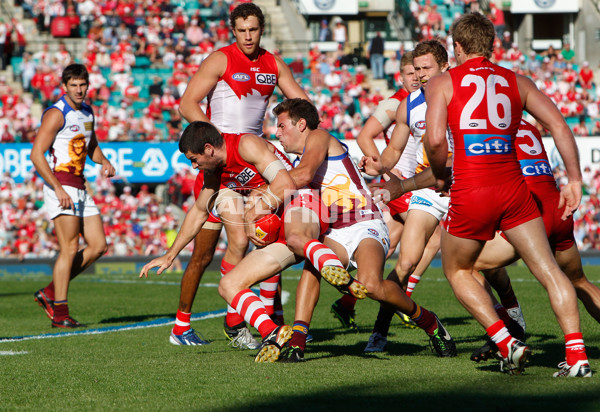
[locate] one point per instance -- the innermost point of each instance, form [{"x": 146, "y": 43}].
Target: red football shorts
[
  {"x": 478, "y": 212},
  {"x": 559, "y": 232},
  {"x": 307, "y": 199},
  {"x": 399, "y": 205}
]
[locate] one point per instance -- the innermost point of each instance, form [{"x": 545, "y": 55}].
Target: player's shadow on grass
[
  {"x": 6, "y": 295},
  {"x": 134, "y": 319},
  {"x": 458, "y": 397}
]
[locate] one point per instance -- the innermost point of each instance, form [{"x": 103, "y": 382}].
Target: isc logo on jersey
[
  {"x": 535, "y": 167},
  {"x": 245, "y": 176},
  {"x": 240, "y": 77},
  {"x": 266, "y": 78},
  {"x": 487, "y": 144}
]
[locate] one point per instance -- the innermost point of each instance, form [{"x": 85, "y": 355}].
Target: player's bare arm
[
  {"x": 52, "y": 122},
  {"x": 316, "y": 149},
  {"x": 95, "y": 153},
  {"x": 546, "y": 112},
  {"x": 286, "y": 82},
  {"x": 256, "y": 151},
  {"x": 400, "y": 136},
  {"x": 194, "y": 219},
  {"x": 202, "y": 82},
  {"x": 382, "y": 117},
  {"x": 437, "y": 96},
  {"x": 371, "y": 128}
]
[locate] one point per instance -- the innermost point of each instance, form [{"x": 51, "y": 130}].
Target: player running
[{"x": 482, "y": 104}]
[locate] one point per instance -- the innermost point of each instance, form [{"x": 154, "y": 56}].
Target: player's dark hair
[
  {"x": 434, "y": 47},
  {"x": 299, "y": 109},
  {"x": 246, "y": 10},
  {"x": 475, "y": 33},
  {"x": 196, "y": 135},
  {"x": 75, "y": 71}
]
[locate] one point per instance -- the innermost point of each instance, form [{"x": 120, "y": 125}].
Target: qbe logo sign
[{"x": 266, "y": 79}]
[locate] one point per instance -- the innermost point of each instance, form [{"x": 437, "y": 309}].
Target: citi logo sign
[
  {"x": 240, "y": 77},
  {"x": 535, "y": 167},
  {"x": 487, "y": 144}
]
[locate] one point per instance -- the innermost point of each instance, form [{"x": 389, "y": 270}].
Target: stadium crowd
[{"x": 141, "y": 54}]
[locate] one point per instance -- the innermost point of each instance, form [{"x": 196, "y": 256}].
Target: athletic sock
[
  {"x": 278, "y": 307},
  {"x": 298, "y": 339},
  {"x": 384, "y": 319},
  {"x": 412, "y": 283},
  {"x": 508, "y": 298},
  {"x": 61, "y": 310},
  {"x": 574, "y": 348},
  {"x": 232, "y": 318},
  {"x": 252, "y": 309},
  {"x": 268, "y": 291},
  {"x": 182, "y": 322},
  {"x": 49, "y": 290},
  {"x": 424, "y": 319},
  {"x": 499, "y": 334},
  {"x": 320, "y": 255},
  {"x": 348, "y": 302},
  {"x": 502, "y": 314}
]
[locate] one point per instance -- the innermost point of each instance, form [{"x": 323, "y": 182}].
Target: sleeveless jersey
[
  {"x": 415, "y": 118},
  {"x": 407, "y": 162},
  {"x": 533, "y": 159},
  {"x": 483, "y": 116},
  {"x": 238, "y": 102},
  {"x": 69, "y": 150},
  {"x": 344, "y": 191},
  {"x": 239, "y": 175}
]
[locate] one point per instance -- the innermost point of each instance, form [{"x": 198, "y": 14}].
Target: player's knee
[
  {"x": 406, "y": 266},
  {"x": 373, "y": 284},
  {"x": 295, "y": 243},
  {"x": 224, "y": 286},
  {"x": 578, "y": 280}
]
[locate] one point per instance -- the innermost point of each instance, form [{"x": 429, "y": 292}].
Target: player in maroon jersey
[
  {"x": 237, "y": 81},
  {"x": 482, "y": 103}
]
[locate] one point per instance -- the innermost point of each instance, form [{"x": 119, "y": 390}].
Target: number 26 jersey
[{"x": 483, "y": 117}]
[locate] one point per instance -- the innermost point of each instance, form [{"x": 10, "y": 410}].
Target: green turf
[{"x": 140, "y": 370}]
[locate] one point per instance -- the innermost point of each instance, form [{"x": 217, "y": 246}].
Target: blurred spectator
[
  {"x": 324, "y": 32},
  {"x": 3, "y": 37},
  {"x": 297, "y": 65},
  {"x": 375, "y": 55},
  {"x": 586, "y": 76},
  {"x": 19, "y": 32},
  {"x": 339, "y": 34},
  {"x": 391, "y": 68},
  {"x": 497, "y": 17},
  {"x": 568, "y": 54}
]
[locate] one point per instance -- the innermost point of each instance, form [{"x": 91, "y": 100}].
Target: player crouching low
[{"x": 357, "y": 234}]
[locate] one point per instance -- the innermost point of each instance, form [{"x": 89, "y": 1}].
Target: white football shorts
[{"x": 84, "y": 203}]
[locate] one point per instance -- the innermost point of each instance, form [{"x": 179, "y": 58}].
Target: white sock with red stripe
[
  {"x": 412, "y": 283},
  {"x": 182, "y": 322},
  {"x": 268, "y": 290},
  {"x": 252, "y": 309},
  {"x": 320, "y": 255},
  {"x": 232, "y": 318},
  {"x": 575, "y": 348}
]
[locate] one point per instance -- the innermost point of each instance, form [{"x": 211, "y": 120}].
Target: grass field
[{"x": 139, "y": 370}]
